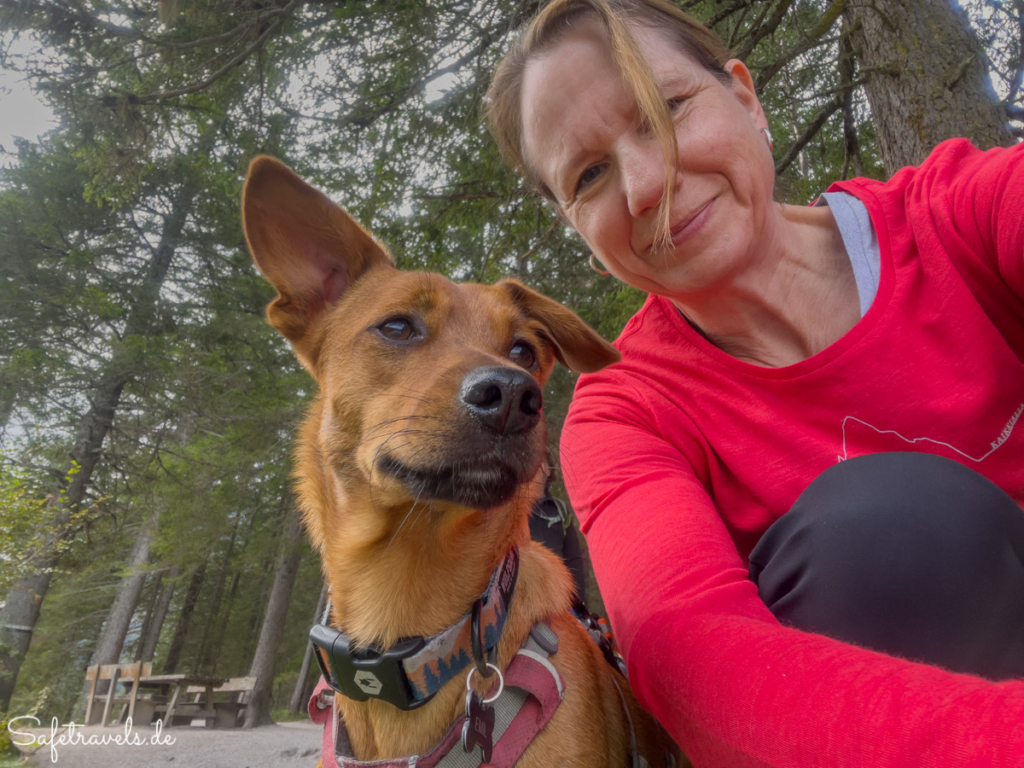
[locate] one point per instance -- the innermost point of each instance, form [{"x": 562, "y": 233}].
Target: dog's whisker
[
  {"x": 423, "y": 508},
  {"x": 395, "y": 434},
  {"x": 416, "y": 453},
  {"x": 572, "y": 454},
  {"x": 377, "y": 427},
  {"x": 387, "y": 440},
  {"x": 376, "y": 455},
  {"x": 411, "y": 397},
  {"x": 389, "y": 422},
  {"x": 405, "y": 431},
  {"x": 419, "y": 493},
  {"x": 414, "y": 503}
]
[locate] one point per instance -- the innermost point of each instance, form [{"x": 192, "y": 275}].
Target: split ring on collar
[{"x": 501, "y": 682}]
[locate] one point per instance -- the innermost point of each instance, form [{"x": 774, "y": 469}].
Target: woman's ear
[{"x": 743, "y": 86}]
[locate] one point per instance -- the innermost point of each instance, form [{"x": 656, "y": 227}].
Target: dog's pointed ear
[
  {"x": 577, "y": 345},
  {"x": 306, "y": 246}
]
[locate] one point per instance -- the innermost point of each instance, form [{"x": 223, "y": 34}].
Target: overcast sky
[{"x": 21, "y": 114}]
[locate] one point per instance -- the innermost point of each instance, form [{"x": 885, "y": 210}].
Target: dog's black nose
[{"x": 505, "y": 399}]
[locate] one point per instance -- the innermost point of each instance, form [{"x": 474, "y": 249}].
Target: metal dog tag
[{"x": 478, "y": 730}]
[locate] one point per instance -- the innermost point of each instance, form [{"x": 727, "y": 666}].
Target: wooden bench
[
  {"x": 230, "y": 701},
  {"x": 117, "y": 674}
]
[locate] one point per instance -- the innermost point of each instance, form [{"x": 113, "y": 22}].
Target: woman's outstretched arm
[{"x": 732, "y": 685}]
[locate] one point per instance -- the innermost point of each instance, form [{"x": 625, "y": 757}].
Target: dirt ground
[{"x": 286, "y": 745}]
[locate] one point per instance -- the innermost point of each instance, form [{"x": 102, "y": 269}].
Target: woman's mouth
[{"x": 692, "y": 224}]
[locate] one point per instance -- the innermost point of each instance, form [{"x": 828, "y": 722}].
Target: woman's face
[{"x": 582, "y": 136}]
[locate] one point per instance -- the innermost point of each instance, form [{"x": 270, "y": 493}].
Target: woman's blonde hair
[{"x": 502, "y": 105}]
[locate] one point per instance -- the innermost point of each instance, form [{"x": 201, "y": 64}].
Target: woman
[{"x": 801, "y": 488}]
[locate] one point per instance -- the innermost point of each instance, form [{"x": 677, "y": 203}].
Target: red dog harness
[{"x": 532, "y": 691}]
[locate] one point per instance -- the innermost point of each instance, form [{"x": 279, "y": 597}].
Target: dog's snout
[{"x": 504, "y": 399}]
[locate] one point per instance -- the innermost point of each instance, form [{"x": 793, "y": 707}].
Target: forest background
[{"x": 147, "y": 410}]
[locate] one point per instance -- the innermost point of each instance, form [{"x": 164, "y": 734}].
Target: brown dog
[{"x": 417, "y": 466}]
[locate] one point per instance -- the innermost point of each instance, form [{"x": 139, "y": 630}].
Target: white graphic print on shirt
[{"x": 850, "y": 423}]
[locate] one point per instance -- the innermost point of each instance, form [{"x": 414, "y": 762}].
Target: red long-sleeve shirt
[{"x": 680, "y": 457}]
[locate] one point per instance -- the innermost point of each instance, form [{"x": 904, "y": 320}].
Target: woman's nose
[{"x": 643, "y": 168}]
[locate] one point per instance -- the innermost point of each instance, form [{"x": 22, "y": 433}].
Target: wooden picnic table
[{"x": 180, "y": 684}]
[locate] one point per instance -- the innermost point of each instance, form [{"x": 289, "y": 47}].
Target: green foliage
[
  {"x": 10, "y": 755},
  {"x": 23, "y": 505}
]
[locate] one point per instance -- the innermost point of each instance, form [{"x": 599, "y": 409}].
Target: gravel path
[{"x": 286, "y": 745}]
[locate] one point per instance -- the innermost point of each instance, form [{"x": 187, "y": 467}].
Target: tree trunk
[
  {"x": 258, "y": 710},
  {"x": 24, "y": 599},
  {"x": 256, "y": 612},
  {"x": 111, "y": 641},
  {"x": 147, "y": 618},
  {"x": 847, "y": 65},
  {"x": 7, "y": 398},
  {"x": 213, "y": 648},
  {"x": 184, "y": 618},
  {"x": 151, "y": 635},
  {"x": 299, "y": 695},
  {"x": 926, "y": 78},
  {"x": 218, "y": 591}
]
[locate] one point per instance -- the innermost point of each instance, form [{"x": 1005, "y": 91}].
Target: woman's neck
[{"x": 796, "y": 298}]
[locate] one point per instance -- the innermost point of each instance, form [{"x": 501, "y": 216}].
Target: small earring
[
  {"x": 768, "y": 138},
  {"x": 593, "y": 265}
]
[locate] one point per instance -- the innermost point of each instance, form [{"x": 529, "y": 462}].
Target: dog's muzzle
[{"x": 491, "y": 448}]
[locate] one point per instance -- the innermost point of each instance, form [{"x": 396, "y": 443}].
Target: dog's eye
[
  {"x": 397, "y": 329},
  {"x": 521, "y": 354}
]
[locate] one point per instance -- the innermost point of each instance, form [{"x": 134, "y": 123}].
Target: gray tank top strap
[{"x": 860, "y": 240}]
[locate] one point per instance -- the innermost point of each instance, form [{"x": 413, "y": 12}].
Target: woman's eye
[
  {"x": 675, "y": 104},
  {"x": 396, "y": 329},
  {"x": 588, "y": 176},
  {"x": 522, "y": 355}
]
